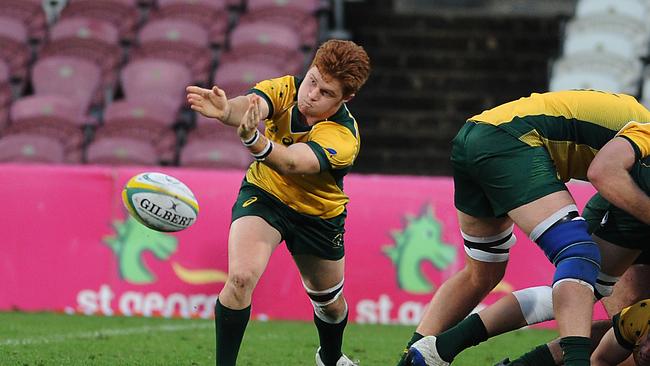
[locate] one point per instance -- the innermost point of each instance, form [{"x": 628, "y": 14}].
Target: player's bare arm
[
  {"x": 214, "y": 103},
  {"x": 609, "y": 173},
  {"x": 295, "y": 159},
  {"x": 609, "y": 352}
]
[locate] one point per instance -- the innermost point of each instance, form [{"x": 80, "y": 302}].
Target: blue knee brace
[{"x": 569, "y": 247}]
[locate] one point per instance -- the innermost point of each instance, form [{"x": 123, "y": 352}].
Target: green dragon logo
[
  {"x": 419, "y": 241},
  {"x": 130, "y": 241}
]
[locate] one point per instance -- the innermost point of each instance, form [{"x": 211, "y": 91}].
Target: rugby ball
[{"x": 160, "y": 202}]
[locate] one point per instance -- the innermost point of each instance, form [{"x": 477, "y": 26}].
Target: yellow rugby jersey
[
  {"x": 335, "y": 141},
  {"x": 632, "y": 323},
  {"x": 573, "y": 125}
]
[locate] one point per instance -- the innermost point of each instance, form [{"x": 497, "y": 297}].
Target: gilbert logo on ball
[{"x": 160, "y": 202}]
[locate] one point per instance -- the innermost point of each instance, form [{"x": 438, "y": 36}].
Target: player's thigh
[
  {"x": 495, "y": 172},
  {"x": 482, "y": 226},
  {"x": 530, "y": 215},
  {"x": 615, "y": 258},
  {"x": 631, "y": 288},
  {"x": 319, "y": 274},
  {"x": 255, "y": 231}
]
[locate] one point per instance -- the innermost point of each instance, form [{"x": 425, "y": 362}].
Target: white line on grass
[{"x": 100, "y": 333}]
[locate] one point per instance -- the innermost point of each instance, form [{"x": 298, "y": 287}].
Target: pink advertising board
[{"x": 69, "y": 245}]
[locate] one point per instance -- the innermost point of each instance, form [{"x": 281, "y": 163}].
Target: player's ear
[{"x": 348, "y": 98}]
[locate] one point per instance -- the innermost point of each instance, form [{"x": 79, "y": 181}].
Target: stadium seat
[
  {"x": 31, "y": 148},
  {"x": 288, "y": 62},
  {"x": 155, "y": 77},
  {"x": 309, "y": 6},
  {"x": 50, "y": 115},
  {"x": 146, "y": 120},
  {"x": 121, "y": 151},
  {"x": 602, "y": 71},
  {"x": 177, "y": 40},
  {"x": 211, "y": 129},
  {"x": 211, "y": 15},
  {"x": 68, "y": 76},
  {"x": 28, "y": 12},
  {"x": 638, "y": 9},
  {"x": 235, "y": 78},
  {"x": 301, "y": 20},
  {"x": 14, "y": 47},
  {"x": 5, "y": 94},
  {"x": 218, "y": 154},
  {"x": 265, "y": 33},
  {"x": 91, "y": 39},
  {"x": 616, "y": 34},
  {"x": 123, "y": 14}
]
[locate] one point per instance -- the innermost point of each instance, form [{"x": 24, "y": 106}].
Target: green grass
[{"x": 56, "y": 339}]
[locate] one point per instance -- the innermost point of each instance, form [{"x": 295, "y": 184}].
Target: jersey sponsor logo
[
  {"x": 287, "y": 140},
  {"x": 330, "y": 150},
  {"x": 249, "y": 201}
]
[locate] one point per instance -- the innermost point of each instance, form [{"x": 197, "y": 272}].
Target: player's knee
[
  {"x": 604, "y": 285},
  {"x": 490, "y": 248},
  {"x": 241, "y": 281},
  {"x": 567, "y": 244},
  {"x": 329, "y": 305}
]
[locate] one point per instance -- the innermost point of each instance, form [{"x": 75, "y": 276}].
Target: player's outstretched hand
[
  {"x": 251, "y": 118},
  {"x": 209, "y": 102}
]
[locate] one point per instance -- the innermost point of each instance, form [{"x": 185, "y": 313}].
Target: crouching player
[
  {"x": 510, "y": 164},
  {"x": 611, "y": 228}
]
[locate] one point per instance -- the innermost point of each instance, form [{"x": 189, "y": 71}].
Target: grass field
[{"x": 56, "y": 339}]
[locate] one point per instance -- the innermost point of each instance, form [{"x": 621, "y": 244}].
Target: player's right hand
[{"x": 209, "y": 102}]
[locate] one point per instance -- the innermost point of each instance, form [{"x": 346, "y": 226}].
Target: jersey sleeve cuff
[{"x": 320, "y": 154}]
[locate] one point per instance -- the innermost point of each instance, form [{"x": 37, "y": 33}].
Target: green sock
[
  {"x": 230, "y": 326},
  {"x": 416, "y": 337},
  {"x": 469, "y": 332},
  {"x": 539, "y": 356},
  {"x": 331, "y": 339},
  {"x": 576, "y": 350}
]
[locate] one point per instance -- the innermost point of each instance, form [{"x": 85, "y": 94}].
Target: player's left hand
[{"x": 251, "y": 118}]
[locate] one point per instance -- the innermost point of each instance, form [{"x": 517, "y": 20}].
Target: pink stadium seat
[
  {"x": 210, "y": 15},
  {"x": 14, "y": 48},
  {"x": 30, "y": 13},
  {"x": 85, "y": 28},
  {"x": 146, "y": 120},
  {"x": 68, "y": 76},
  {"x": 138, "y": 110},
  {"x": 53, "y": 116},
  {"x": 237, "y": 77},
  {"x": 155, "y": 77},
  {"x": 121, "y": 13},
  {"x": 308, "y": 6},
  {"x": 215, "y": 154},
  {"x": 91, "y": 39},
  {"x": 264, "y": 33},
  {"x": 121, "y": 151},
  {"x": 212, "y": 130},
  {"x": 301, "y": 21},
  {"x": 177, "y": 40},
  {"x": 30, "y": 148},
  {"x": 13, "y": 28}
]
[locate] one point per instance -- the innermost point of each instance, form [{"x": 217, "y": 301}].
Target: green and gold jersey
[
  {"x": 632, "y": 323},
  {"x": 335, "y": 141},
  {"x": 573, "y": 125}
]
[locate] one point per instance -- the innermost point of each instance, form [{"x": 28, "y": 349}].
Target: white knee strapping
[
  {"x": 549, "y": 221},
  {"x": 490, "y": 248},
  {"x": 536, "y": 304},
  {"x": 605, "y": 285},
  {"x": 320, "y": 300}
]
